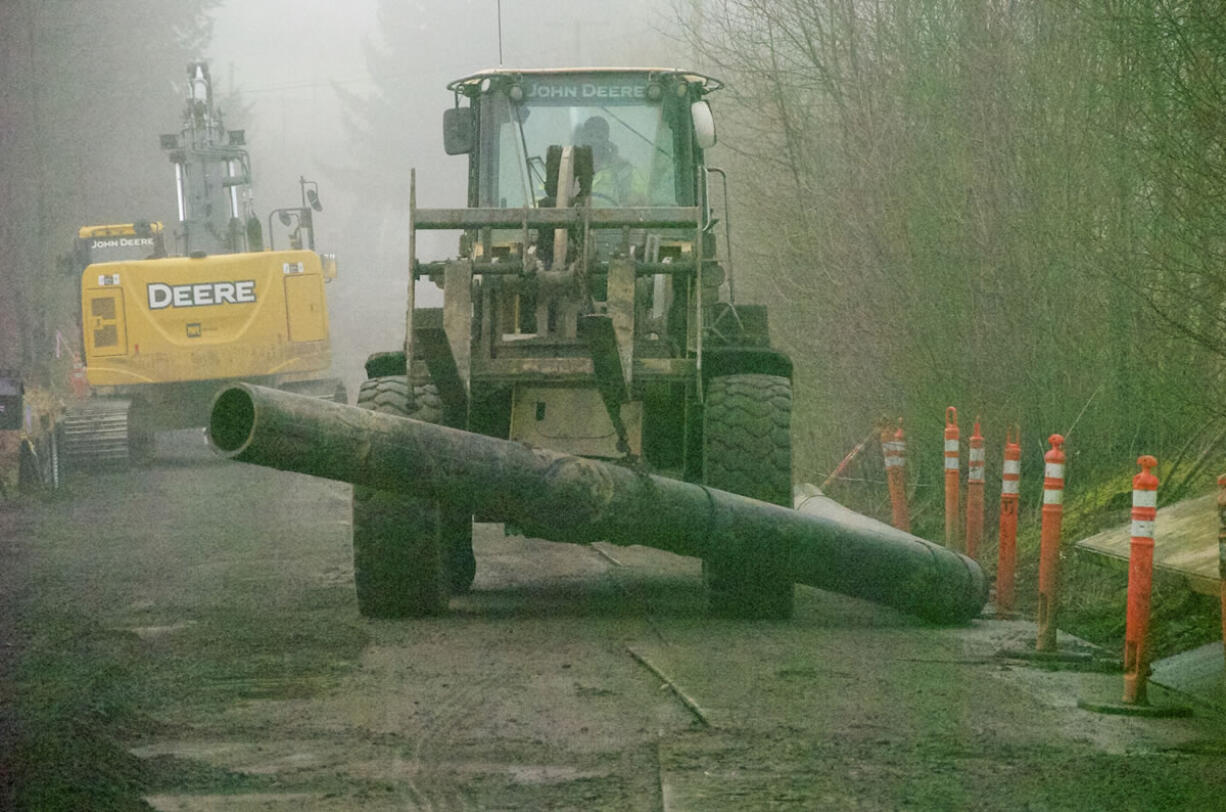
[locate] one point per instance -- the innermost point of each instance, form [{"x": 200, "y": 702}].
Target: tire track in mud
[
  {"x": 661, "y": 787},
  {"x": 500, "y": 731},
  {"x": 427, "y": 780},
  {"x": 563, "y": 616},
  {"x": 507, "y": 685}
]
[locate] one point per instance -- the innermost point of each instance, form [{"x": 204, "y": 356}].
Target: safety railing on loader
[
  {"x": 589, "y": 219},
  {"x": 530, "y": 217}
]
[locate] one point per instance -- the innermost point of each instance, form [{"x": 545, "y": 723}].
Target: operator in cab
[{"x": 616, "y": 181}]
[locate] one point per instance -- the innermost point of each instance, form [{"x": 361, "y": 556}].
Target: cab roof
[{"x": 478, "y": 81}]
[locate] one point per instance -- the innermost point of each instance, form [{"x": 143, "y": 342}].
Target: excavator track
[{"x": 99, "y": 434}]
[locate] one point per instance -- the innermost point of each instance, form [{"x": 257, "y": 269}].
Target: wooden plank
[{"x": 1185, "y": 542}]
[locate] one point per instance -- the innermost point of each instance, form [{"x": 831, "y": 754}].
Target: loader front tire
[
  {"x": 747, "y": 449},
  {"x": 402, "y": 545}
]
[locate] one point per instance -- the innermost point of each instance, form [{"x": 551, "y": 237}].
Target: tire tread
[{"x": 747, "y": 450}]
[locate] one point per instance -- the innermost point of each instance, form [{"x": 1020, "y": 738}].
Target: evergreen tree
[{"x": 88, "y": 86}]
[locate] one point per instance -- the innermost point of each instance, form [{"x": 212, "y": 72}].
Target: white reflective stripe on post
[
  {"x": 951, "y": 463},
  {"x": 1144, "y": 499},
  {"x": 1009, "y": 487},
  {"x": 893, "y": 462},
  {"x": 1013, "y": 467},
  {"x": 894, "y": 445},
  {"x": 1054, "y": 470},
  {"x": 951, "y": 445},
  {"x": 1053, "y": 496},
  {"x": 1143, "y": 528},
  {"x": 976, "y": 464}
]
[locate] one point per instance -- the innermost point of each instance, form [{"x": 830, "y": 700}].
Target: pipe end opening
[{"x": 231, "y": 420}]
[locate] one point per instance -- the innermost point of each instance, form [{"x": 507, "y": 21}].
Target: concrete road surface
[{"x": 220, "y": 596}]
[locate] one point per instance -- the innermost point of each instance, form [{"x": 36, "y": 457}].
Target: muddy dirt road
[{"x": 201, "y": 611}]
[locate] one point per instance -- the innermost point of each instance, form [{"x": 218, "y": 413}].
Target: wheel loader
[
  {"x": 163, "y": 327},
  {"x": 586, "y": 312},
  {"x": 589, "y": 375}
]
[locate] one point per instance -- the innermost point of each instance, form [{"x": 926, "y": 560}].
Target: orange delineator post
[
  {"x": 974, "y": 493},
  {"x": 1140, "y": 579},
  {"x": 1221, "y": 548},
  {"x": 1006, "y": 557},
  {"x": 951, "y": 479},
  {"x": 1049, "y": 543},
  {"x": 894, "y": 447},
  {"x": 851, "y": 455},
  {"x": 77, "y": 380}
]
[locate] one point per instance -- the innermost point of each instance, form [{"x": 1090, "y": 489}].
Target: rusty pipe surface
[{"x": 561, "y": 497}]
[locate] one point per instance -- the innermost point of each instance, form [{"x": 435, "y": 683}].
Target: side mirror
[
  {"x": 313, "y": 199},
  {"x": 704, "y": 124},
  {"x": 459, "y": 131}
]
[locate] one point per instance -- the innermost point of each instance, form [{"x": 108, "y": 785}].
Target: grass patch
[{"x": 77, "y": 691}]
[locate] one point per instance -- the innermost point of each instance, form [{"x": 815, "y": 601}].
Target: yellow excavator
[{"x": 162, "y": 330}]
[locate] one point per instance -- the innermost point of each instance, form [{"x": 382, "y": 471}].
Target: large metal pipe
[{"x": 566, "y": 498}]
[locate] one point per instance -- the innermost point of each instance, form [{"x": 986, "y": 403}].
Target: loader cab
[{"x": 639, "y": 126}]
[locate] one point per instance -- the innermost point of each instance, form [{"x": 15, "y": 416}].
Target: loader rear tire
[
  {"x": 402, "y": 545},
  {"x": 747, "y": 449}
]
